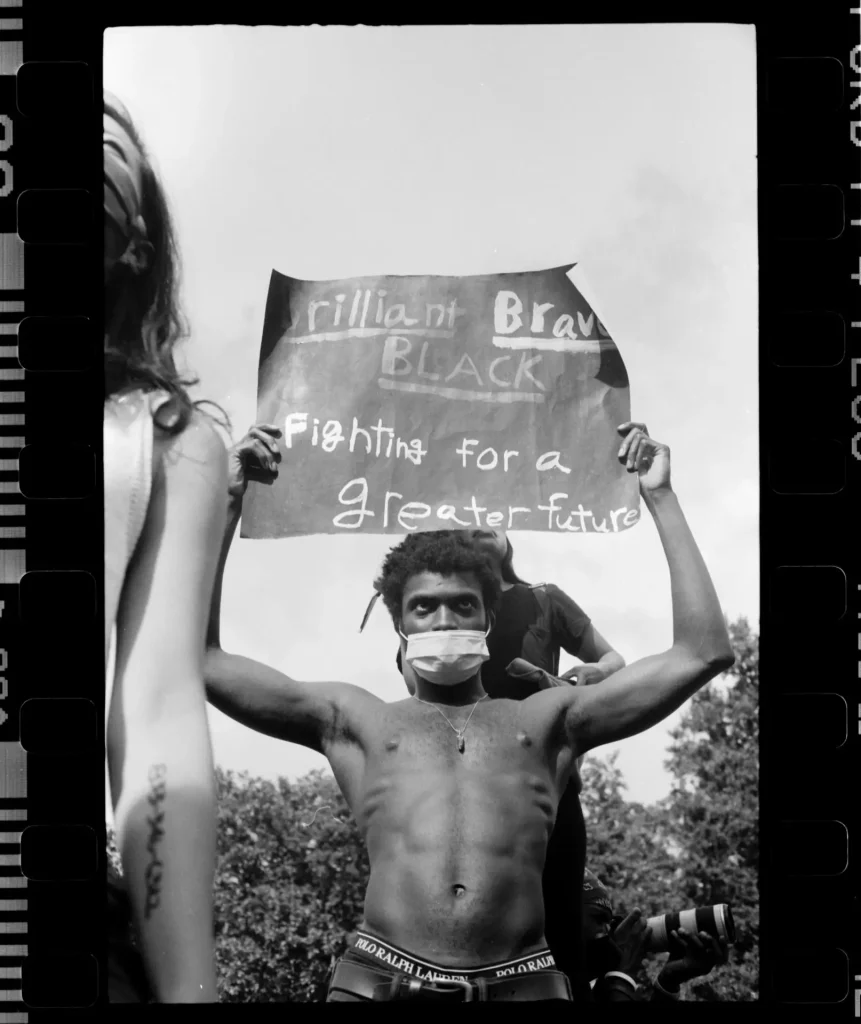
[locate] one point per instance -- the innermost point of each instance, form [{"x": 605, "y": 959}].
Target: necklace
[{"x": 461, "y": 746}]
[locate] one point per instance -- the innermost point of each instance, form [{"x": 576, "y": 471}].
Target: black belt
[{"x": 366, "y": 982}]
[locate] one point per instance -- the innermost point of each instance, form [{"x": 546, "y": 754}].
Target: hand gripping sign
[{"x": 422, "y": 403}]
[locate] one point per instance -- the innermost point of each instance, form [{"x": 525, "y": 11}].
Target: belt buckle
[{"x": 465, "y": 985}]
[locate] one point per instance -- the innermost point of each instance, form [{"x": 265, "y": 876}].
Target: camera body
[{"x": 716, "y": 920}]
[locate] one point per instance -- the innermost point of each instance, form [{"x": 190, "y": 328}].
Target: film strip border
[
  {"x": 12, "y": 383},
  {"x": 51, "y": 646},
  {"x": 854, "y": 103},
  {"x": 810, "y": 146},
  {"x": 14, "y": 923},
  {"x": 811, "y": 474}
]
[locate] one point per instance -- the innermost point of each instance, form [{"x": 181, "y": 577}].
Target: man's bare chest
[
  {"x": 483, "y": 750},
  {"x": 499, "y": 735}
]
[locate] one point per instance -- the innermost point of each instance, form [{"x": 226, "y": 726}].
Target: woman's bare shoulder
[
  {"x": 191, "y": 461},
  {"x": 199, "y": 439}
]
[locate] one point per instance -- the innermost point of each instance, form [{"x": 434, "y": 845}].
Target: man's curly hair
[{"x": 446, "y": 552}]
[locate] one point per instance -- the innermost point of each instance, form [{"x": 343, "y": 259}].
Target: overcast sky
[{"x": 336, "y": 152}]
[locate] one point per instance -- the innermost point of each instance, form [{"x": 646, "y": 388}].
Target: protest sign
[{"x": 418, "y": 403}]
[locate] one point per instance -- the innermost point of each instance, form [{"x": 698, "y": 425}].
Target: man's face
[
  {"x": 432, "y": 601},
  {"x": 596, "y": 922}
]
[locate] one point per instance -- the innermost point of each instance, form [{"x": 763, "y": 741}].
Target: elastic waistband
[{"x": 392, "y": 958}]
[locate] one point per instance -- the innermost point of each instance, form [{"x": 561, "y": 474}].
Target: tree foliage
[
  {"x": 290, "y": 886},
  {"x": 699, "y": 846},
  {"x": 714, "y": 805},
  {"x": 292, "y": 868}
]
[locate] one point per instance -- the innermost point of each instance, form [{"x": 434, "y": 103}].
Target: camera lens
[
  {"x": 726, "y": 922},
  {"x": 716, "y": 920}
]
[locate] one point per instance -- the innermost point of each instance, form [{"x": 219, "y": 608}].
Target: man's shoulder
[
  {"x": 354, "y": 708},
  {"x": 352, "y": 696},
  {"x": 551, "y": 702},
  {"x": 556, "y": 708}
]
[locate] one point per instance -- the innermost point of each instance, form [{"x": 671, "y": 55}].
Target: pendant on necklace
[{"x": 460, "y": 744}]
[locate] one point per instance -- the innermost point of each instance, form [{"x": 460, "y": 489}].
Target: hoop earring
[{"x": 137, "y": 256}]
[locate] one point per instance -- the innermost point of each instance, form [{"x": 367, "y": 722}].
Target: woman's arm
[
  {"x": 159, "y": 752},
  {"x": 573, "y": 631},
  {"x": 599, "y": 659}
]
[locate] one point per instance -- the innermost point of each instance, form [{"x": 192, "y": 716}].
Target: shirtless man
[{"x": 456, "y": 795}]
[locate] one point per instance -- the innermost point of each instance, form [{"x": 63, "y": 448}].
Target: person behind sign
[
  {"x": 456, "y": 796},
  {"x": 535, "y": 622},
  {"x": 165, "y": 470}
]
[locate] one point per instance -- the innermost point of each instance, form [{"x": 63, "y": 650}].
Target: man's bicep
[
  {"x": 632, "y": 700},
  {"x": 270, "y": 702}
]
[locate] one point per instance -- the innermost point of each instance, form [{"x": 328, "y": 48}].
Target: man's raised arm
[
  {"x": 645, "y": 692},
  {"x": 249, "y": 692}
]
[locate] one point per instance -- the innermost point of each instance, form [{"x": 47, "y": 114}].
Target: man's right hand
[
  {"x": 632, "y": 937},
  {"x": 258, "y": 453}
]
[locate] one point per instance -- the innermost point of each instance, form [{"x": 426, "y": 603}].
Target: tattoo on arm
[{"x": 153, "y": 873}]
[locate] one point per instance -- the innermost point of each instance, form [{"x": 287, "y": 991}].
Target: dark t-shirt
[
  {"x": 519, "y": 612},
  {"x": 534, "y": 623}
]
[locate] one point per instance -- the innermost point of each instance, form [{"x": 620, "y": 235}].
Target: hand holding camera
[
  {"x": 632, "y": 937},
  {"x": 702, "y": 954}
]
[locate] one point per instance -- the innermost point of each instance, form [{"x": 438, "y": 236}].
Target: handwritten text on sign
[{"x": 440, "y": 403}]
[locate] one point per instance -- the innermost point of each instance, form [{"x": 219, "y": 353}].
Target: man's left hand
[
  {"x": 702, "y": 954},
  {"x": 641, "y": 454}
]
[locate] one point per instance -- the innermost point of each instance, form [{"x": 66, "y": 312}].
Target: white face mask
[{"x": 447, "y": 656}]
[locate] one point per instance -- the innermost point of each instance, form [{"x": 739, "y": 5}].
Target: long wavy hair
[
  {"x": 507, "y": 567},
  {"x": 143, "y": 320}
]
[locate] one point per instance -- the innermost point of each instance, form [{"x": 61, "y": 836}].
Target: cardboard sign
[{"x": 427, "y": 403}]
